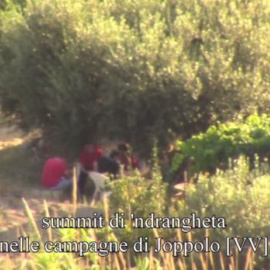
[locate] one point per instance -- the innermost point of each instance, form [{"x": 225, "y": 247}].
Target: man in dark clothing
[
  {"x": 105, "y": 164},
  {"x": 109, "y": 164}
]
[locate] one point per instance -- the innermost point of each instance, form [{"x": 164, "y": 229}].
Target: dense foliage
[
  {"x": 134, "y": 70},
  {"x": 238, "y": 194},
  {"x": 219, "y": 143}
]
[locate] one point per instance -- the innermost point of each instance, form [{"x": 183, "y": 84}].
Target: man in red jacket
[
  {"x": 89, "y": 157},
  {"x": 56, "y": 174}
]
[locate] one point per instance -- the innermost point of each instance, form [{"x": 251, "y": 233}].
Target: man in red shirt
[
  {"x": 56, "y": 174},
  {"x": 89, "y": 157}
]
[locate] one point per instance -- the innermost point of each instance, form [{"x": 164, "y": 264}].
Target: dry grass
[
  {"x": 119, "y": 261},
  {"x": 148, "y": 261}
]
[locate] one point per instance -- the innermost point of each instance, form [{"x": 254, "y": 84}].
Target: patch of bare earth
[{"x": 17, "y": 181}]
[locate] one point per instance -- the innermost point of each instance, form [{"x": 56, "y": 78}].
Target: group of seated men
[{"x": 58, "y": 175}]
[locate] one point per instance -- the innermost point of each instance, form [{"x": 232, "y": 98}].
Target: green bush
[
  {"x": 133, "y": 70},
  {"x": 140, "y": 197},
  {"x": 212, "y": 149},
  {"x": 239, "y": 195}
]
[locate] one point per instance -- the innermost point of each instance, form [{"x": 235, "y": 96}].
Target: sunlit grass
[
  {"x": 147, "y": 261},
  {"x": 131, "y": 260}
]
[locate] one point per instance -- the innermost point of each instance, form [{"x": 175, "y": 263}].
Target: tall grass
[
  {"x": 148, "y": 261},
  {"x": 130, "y": 260}
]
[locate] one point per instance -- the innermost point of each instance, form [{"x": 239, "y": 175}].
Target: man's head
[
  {"x": 123, "y": 147},
  {"x": 94, "y": 149}
]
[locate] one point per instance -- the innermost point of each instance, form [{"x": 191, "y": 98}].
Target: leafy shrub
[
  {"x": 149, "y": 69},
  {"x": 133, "y": 194},
  {"x": 213, "y": 148},
  {"x": 238, "y": 194}
]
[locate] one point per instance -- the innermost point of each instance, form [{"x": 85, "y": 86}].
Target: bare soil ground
[{"x": 20, "y": 172}]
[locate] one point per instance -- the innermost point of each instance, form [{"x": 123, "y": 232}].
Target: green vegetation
[
  {"x": 226, "y": 194},
  {"x": 16, "y": 162},
  {"x": 214, "y": 148},
  {"x": 240, "y": 195},
  {"x": 145, "y": 72},
  {"x": 155, "y": 69}
]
